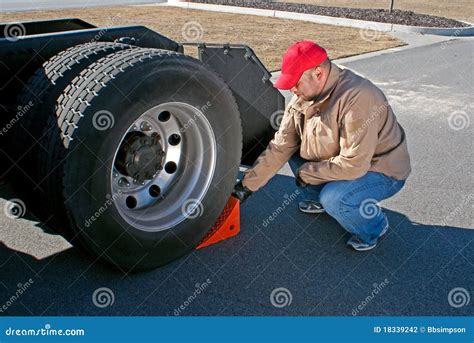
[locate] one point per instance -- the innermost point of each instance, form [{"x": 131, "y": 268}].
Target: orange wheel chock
[{"x": 226, "y": 226}]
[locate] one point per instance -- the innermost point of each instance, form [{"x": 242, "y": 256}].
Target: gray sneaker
[
  {"x": 357, "y": 244},
  {"x": 311, "y": 206}
]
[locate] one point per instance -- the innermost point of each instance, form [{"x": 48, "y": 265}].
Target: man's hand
[
  {"x": 241, "y": 192},
  {"x": 298, "y": 180}
]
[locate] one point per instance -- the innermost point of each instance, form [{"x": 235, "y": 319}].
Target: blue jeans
[{"x": 353, "y": 203}]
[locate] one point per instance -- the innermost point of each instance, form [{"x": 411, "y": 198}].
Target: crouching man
[{"x": 342, "y": 141}]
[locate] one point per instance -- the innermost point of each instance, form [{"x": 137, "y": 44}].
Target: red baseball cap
[{"x": 299, "y": 57}]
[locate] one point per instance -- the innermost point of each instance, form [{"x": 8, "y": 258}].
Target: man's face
[{"x": 310, "y": 84}]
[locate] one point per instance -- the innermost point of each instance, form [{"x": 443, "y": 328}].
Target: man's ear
[{"x": 317, "y": 73}]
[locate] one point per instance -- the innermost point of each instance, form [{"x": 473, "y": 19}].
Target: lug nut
[
  {"x": 145, "y": 126},
  {"x": 123, "y": 182}
]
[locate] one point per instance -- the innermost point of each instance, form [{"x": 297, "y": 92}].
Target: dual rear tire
[{"x": 138, "y": 155}]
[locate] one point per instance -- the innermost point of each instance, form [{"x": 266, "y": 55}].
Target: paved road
[
  {"x": 29, "y": 5},
  {"x": 428, "y": 251}
]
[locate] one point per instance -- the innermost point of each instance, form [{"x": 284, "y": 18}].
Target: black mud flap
[{"x": 256, "y": 97}]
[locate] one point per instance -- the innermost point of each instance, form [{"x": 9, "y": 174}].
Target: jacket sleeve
[
  {"x": 284, "y": 144},
  {"x": 357, "y": 141}
]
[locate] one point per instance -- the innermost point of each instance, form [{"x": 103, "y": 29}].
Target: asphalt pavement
[{"x": 298, "y": 264}]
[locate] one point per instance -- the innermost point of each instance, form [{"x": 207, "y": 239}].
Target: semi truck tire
[
  {"x": 38, "y": 101},
  {"x": 142, "y": 156}
]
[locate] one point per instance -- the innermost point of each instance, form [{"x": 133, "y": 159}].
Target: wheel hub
[{"x": 140, "y": 156}]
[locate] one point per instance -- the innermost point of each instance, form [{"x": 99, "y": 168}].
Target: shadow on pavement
[{"x": 296, "y": 264}]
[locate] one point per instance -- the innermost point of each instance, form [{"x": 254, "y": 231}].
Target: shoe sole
[
  {"x": 313, "y": 211},
  {"x": 363, "y": 249}
]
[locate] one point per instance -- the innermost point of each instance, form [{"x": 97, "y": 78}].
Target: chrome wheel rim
[{"x": 163, "y": 167}]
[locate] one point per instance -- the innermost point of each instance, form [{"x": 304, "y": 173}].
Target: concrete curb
[{"x": 361, "y": 24}]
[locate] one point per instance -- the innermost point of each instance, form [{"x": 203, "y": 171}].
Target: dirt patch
[
  {"x": 400, "y": 17},
  {"x": 269, "y": 37}
]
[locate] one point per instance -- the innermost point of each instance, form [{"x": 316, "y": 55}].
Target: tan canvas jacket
[{"x": 349, "y": 130}]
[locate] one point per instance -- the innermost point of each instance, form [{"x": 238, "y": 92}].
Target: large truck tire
[
  {"x": 142, "y": 156},
  {"x": 38, "y": 100}
]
